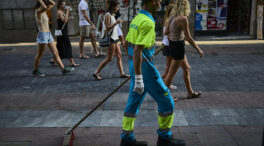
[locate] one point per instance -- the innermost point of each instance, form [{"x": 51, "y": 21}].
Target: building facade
[
  {"x": 208, "y": 17},
  {"x": 225, "y": 17}
]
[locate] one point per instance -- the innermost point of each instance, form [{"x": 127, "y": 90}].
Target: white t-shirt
[
  {"x": 83, "y": 5},
  {"x": 119, "y": 31}
]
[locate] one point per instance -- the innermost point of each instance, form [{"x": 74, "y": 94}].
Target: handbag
[
  {"x": 58, "y": 32},
  {"x": 105, "y": 41}
]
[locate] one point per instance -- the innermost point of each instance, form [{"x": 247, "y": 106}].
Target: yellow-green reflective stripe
[
  {"x": 165, "y": 122},
  {"x": 128, "y": 123}
]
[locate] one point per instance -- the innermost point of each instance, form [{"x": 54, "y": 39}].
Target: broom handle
[{"x": 95, "y": 108}]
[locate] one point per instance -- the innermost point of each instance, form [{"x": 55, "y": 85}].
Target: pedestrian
[
  {"x": 145, "y": 78},
  {"x": 63, "y": 42},
  {"x": 165, "y": 43},
  {"x": 44, "y": 37},
  {"x": 87, "y": 29},
  {"x": 177, "y": 29},
  {"x": 110, "y": 27}
]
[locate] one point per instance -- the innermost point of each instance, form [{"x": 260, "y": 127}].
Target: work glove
[{"x": 139, "y": 85}]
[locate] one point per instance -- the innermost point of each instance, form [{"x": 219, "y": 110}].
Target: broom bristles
[{"x": 68, "y": 139}]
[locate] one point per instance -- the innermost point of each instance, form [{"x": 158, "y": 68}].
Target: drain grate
[{"x": 15, "y": 143}]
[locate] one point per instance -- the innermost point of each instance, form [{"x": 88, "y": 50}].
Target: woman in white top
[
  {"x": 165, "y": 43},
  {"x": 110, "y": 27},
  {"x": 44, "y": 37}
]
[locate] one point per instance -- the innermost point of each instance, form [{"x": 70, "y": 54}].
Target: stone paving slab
[
  {"x": 145, "y": 118},
  {"x": 6, "y": 143},
  {"x": 110, "y": 136},
  {"x": 222, "y": 72},
  {"x": 85, "y": 100},
  {"x": 230, "y": 111}
]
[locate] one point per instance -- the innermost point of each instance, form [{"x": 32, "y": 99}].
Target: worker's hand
[{"x": 139, "y": 85}]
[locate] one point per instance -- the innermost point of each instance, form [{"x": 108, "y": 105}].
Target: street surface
[{"x": 36, "y": 111}]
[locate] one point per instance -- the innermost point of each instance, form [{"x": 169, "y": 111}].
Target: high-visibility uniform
[{"x": 142, "y": 32}]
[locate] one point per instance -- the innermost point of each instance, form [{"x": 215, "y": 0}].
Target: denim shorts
[{"x": 44, "y": 38}]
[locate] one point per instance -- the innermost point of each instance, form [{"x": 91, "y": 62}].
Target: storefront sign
[
  {"x": 201, "y": 14},
  {"x": 211, "y": 14}
]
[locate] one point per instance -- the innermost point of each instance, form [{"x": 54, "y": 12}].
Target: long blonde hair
[
  {"x": 167, "y": 13},
  {"x": 181, "y": 7}
]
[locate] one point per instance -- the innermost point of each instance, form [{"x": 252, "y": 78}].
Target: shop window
[{"x": 211, "y": 15}]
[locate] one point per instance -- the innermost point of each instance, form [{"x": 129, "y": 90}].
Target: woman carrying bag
[
  {"x": 110, "y": 28},
  {"x": 44, "y": 37},
  {"x": 63, "y": 41}
]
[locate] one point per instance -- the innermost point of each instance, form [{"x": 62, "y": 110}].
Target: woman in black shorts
[{"x": 177, "y": 29}]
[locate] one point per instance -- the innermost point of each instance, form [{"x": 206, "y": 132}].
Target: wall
[
  {"x": 192, "y": 18},
  {"x": 253, "y": 21},
  {"x": 17, "y": 23}
]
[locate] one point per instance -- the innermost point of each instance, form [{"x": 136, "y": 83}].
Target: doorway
[{"x": 238, "y": 17}]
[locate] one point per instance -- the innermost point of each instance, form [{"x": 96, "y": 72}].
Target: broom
[{"x": 69, "y": 135}]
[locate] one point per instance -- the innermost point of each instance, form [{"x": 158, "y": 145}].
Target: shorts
[
  {"x": 177, "y": 49},
  {"x": 86, "y": 31},
  {"x": 113, "y": 41},
  {"x": 165, "y": 51},
  {"x": 44, "y": 38}
]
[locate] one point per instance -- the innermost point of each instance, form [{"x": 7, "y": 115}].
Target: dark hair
[
  {"x": 112, "y": 4},
  {"x": 59, "y": 3},
  {"x": 118, "y": 14},
  {"x": 46, "y": 2}
]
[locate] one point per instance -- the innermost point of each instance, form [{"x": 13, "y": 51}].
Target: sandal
[
  {"x": 84, "y": 57},
  {"x": 194, "y": 95},
  {"x": 124, "y": 76},
  {"x": 74, "y": 65},
  {"x": 175, "y": 99},
  {"x": 53, "y": 63},
  {"x": 173, "y": 87},
  {"x": 97, "y": 76},
  {"x": 99, "y": 54}
]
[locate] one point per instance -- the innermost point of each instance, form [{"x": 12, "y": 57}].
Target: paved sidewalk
[{"x": 36, "y": 111}]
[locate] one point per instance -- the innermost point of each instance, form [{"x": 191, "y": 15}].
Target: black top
[{"x": 65, "y": 29}]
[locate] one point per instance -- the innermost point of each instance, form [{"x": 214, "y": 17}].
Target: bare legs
[
  {"x": 93, "y": 40},
  {"x": 175, "y": 64},
  {"x": 81, "y": 45},
  {"x": 119, "y": 59},
  {"x": 186, "y": 75},
  {"x": 184, "y": 64},
  {"x": 168, "y": 64},
  {"x": 109, "y": 58},
  {"x": 113, "y": 48},
  {"x": 55, "y": 53},
  {"x": 41, "y": 49},
  {"x": 53, "y": 50}
]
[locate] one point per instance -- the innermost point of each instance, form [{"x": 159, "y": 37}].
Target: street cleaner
[{"x": 145, "y": 78}]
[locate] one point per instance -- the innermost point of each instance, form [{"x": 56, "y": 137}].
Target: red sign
[{"x": 211, "y": 23}]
